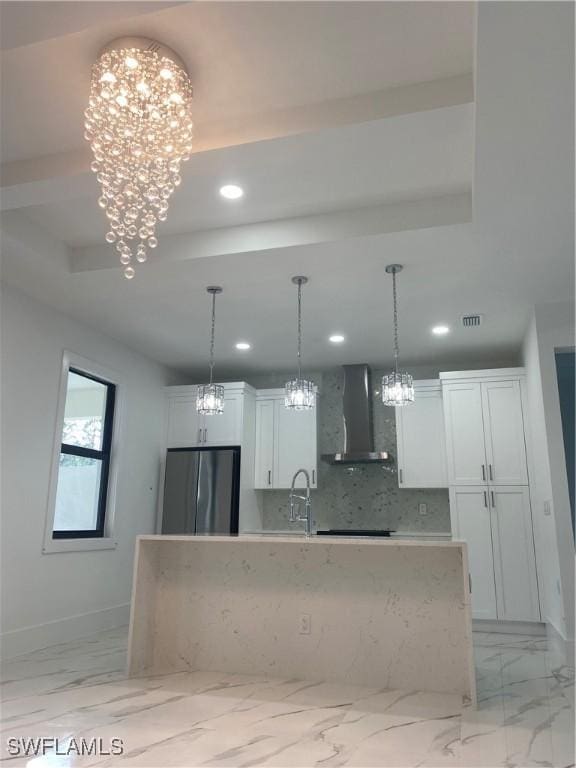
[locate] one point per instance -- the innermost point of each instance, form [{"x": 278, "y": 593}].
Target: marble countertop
[{"x": 312, "y": 541}]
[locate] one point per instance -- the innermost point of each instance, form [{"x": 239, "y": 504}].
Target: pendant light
[
  {"x": 210, "y": 398},
  {"x": 397, "y": 388},
  {"x": 300, "y": 394}
]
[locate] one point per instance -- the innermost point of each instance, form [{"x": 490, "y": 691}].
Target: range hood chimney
[{"x": 358, "y": 427}]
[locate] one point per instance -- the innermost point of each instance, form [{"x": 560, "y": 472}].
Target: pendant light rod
[
  {"x": 393, "y": 269},
  {"x": 397, "y": 387},
  {"x": 214, "y": 290},
  {"x": 299, "y": 280}
]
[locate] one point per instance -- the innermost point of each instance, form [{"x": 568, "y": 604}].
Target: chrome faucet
[{"x": 307, "y": 517}]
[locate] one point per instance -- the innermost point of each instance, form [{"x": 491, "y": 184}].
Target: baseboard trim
[
  {"x": 510, "y": 627},
  {"x": 21, "y": 641},
  {"x": 560, "y": 644}
]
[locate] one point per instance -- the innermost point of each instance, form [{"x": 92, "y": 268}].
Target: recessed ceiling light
[
  {"x": 336, "y": 338},
  {"x": 231, "y": 191},
  {"x": 440, "y": 330},
  {"x": 243, "y": 346}
]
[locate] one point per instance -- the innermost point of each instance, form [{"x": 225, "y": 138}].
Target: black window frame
[{"x": 102, "y": 455}]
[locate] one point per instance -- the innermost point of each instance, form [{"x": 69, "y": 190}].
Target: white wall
[
  {"x": 550, "y": 328},
  {"x": 48, "y": 598}
]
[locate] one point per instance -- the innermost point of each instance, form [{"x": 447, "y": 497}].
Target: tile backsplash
[{"x": 365, "y": 496}]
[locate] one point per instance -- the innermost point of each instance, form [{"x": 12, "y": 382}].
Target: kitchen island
[{"x": 378, "y": 612}]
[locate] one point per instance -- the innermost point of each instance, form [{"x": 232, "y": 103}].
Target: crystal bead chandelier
[
  {"x": 139, "y": 126},
  {"x": 397, "y": 388},
  {"x": 210, "y": 397},
  {"x": 299, "y": 394}
]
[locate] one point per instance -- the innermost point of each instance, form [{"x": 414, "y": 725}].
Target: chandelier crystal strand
[
  {"x": 139, "y": 126},
  {"x": 397, "y": 388},
  {"x": 299, "y": 393},
  {"x": 210, "y": 398}
]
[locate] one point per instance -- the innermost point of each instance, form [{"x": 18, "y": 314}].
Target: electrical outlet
[
  {"x": 423, "y": 509},
  {"x": 305, "y": 623}
]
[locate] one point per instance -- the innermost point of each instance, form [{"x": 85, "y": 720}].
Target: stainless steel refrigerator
[{"x": 201, "y": 491}]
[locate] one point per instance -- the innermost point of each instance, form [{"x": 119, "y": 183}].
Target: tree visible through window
[{"x": 84, "y": 457}]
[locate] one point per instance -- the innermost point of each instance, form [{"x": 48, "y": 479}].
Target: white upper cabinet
[
  {"x": 224, "y": 428},
  {"x": 464, "y": 433},
  {"x": 471, "y": 521},
  {"x": 184, "y": 428},
  {"x": 504, "y": 433},
  {"x": 188, "y": 429},
  {"x": 514, "y": 559},
  {"x": 420, "y": 439},
  {"x": 264, "y": 459},
  {"x": 286, "y": 441}
]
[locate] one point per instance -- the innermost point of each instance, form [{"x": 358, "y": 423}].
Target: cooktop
[{"x": 353, "y": 532}]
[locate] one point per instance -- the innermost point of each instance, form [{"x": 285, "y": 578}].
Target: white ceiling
[
  {"x": 165, "y": 311},
  {"x": 352, "y": 129},
  {"x": 383, "y": 161},
  {"x": 243, "y": 58}
]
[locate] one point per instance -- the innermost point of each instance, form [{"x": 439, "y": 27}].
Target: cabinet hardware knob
[
  {"x": 269, "y": 477},
  {"x": 492, "y": 497},
  {"x": 483, "y": 472},
  {"x": 199, "y": 436},
  {"x": 205, "y": 434},
  {"x": 485, "y": 499},
  {"x": 490, "y": 471},
  {"x": 313, "y": 476}
]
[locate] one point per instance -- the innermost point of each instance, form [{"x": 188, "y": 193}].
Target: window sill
[{"x": 54, "y": 546}]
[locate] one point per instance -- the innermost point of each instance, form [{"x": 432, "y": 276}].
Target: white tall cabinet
[
  {"x": 286, "y": 441},
  {"x": 489, "y": 490}
]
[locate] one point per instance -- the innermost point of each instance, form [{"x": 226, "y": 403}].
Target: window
[{"x": 84, "y": 460}]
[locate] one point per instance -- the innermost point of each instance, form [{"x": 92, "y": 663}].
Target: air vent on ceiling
[{"x": 471, "y": 321}]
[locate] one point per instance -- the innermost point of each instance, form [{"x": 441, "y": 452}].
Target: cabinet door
[
  {"x": 504, "y": 433},
  {"x": 470, "y": 512},
  {"x": 465, "y": 452},
  {"x": 183, "y": 422},
  {"x": 421, "y": 442},
  {"x": 514, "y": 558},
  {"x": 264, "y": 458},
  {"x": 224, "y": 428},
  {"x": 295, "y": 445}
]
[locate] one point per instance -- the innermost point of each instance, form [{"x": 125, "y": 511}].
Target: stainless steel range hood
[{"x": 358, "y": 428}]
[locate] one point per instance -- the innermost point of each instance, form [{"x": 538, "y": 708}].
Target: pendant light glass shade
[
  {"x": 210, "y": 397},
  {"x": 299, "y": 393},
  {"x": 397, "y": 387}
]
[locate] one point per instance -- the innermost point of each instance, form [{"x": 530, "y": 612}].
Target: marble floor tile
[{"x": 524, "y": 716}]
